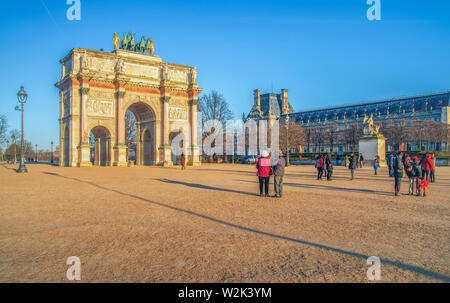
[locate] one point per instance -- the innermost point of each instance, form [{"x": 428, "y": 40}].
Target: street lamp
[
  {"x": 22, "y": 97},
  {"x": 287, "y": 140},
  {"x": 51, "y": 150},
  {"x": 36, "y": 159}
]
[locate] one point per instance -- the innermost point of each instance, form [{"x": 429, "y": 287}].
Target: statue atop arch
[{"x": 130, "y": 43}]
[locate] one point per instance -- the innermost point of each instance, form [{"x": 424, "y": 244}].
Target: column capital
[
  {"x": 193, "y": 102},
  {"x": 120, "y": 94},
  {"x": 165, "y": 99},
  {"x": 84, "y": 90}
]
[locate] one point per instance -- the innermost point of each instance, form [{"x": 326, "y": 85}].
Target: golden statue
[{"x": 116, "y": 40}]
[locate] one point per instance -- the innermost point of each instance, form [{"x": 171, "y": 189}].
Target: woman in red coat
[
  {"x": 428, "y": 166},
  {"x": 263, "y": 166}
]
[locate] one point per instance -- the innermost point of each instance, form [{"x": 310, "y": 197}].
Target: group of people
[
  {"x": 324, "y": 166},
  {"x": 420, "y": 172},
  {"x": 266, "y": 169}
]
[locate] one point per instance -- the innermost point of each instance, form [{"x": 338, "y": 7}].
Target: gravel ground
[{"x": 205, "y": 224}]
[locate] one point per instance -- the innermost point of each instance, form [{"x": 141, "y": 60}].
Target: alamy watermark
[
  {"x": 374, "y": 11},
  {"x": 374, "y": 271},
  {"x": 74, "y": 11},
  {"x": 74, "y": 271}
]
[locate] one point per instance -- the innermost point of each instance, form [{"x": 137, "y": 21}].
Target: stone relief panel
[
  {"x": 100, "y": 64},
  {"x": 100, "y": 108},
  {"x": 101, "y": 94},
  {"x": 178, "y": 75},
  {"x": 178, "y": 113},
  {"x": 141, "y": 70}
]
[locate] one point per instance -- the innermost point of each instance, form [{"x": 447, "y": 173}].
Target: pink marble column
[
  {"x": 83, "y": 115},
  {"x": 120, "y": 118},
  {"x": 194, "y": 122},
  {"x": 165, "y": 101}
]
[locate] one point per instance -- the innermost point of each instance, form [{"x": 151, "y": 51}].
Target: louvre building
[{"x": 321, "y": 124}]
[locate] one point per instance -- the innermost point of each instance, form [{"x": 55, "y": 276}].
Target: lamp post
[
  {"x": 22, "y": 97},
  {"x": 36, "y": 159},
  {"x": 51, "y": 152},
  {"x": 287, "y": 140}
]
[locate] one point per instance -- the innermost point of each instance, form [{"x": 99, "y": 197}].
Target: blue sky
[{"x": 325, "y": 52}]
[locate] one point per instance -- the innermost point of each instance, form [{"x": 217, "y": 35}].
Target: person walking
[
  {"x": 398, "y": 172},
  {"x": 329, "y": 167},
  {"x": 361, "y": 160},
  {"x": 263, "y": 167},
  {"x": 409, "y": 170},
  {"x": 319, "y": 165},
  {"x": 352, "y": 165},
  {"x": 182, "y": 161},
  {"x": 278, "y": 174},
  {"x": 376, "y": 164}
]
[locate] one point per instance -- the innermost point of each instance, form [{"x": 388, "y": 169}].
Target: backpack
[{"x": 318, "y": 163}]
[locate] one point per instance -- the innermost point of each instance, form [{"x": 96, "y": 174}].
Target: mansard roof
[{"x": 406, "y": 105}]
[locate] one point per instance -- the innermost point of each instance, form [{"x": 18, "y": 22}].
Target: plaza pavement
[{"x": 205, "y": 224}]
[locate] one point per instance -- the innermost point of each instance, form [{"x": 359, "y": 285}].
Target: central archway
[
  {"x": 100, "y": 141},
  {"x": 140, "y": 138}
]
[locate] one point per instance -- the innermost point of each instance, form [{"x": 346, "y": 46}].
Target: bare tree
[
  {"x": 214, "y": 107},
  {"x": 15, "y": 135},
  {"x": 130, "y": 128},
  {"x": 296, "y": 134},
  {"x": 3, "y": 129}
]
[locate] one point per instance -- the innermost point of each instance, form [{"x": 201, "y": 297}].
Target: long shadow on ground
[
  {"x": 196, "y": 185},
  {"x": 328, "y": 187},
  {"x": 397, "y": 264}
]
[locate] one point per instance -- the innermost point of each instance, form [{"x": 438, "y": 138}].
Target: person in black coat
[
  {"x": 398, "y": 172},
  {"x": 329, "y": 167},
  {"x": 352, "y": 165}
]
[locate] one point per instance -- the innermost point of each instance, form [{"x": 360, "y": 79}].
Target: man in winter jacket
[{"x": 278, "y": 172}]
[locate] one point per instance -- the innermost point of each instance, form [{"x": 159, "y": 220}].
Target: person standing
[
  {"x": 376, "y": 164},
  {"x": 329, "y": 167},
  {"x": 278, "y": 174},
  {"x": 319, "y": 165},
  {"x": 427, "y": 166},
  {"x": 432, "y": 176},
  {"x": 361, "y": 160},
  {"x": 409, "y": 170},
  {"x": 416, "y": 169},
  {"x": 352, "y": 165},
  {"x": 389, "y": 160},
  {"x": 263, "y": 166},
  {"x": 398, "y": 171}
]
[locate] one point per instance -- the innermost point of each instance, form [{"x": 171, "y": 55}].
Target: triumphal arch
[{"x": 97, "y": 88}]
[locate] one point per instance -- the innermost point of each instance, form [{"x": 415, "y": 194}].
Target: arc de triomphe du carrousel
[{"x": 97, "y": 88}]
